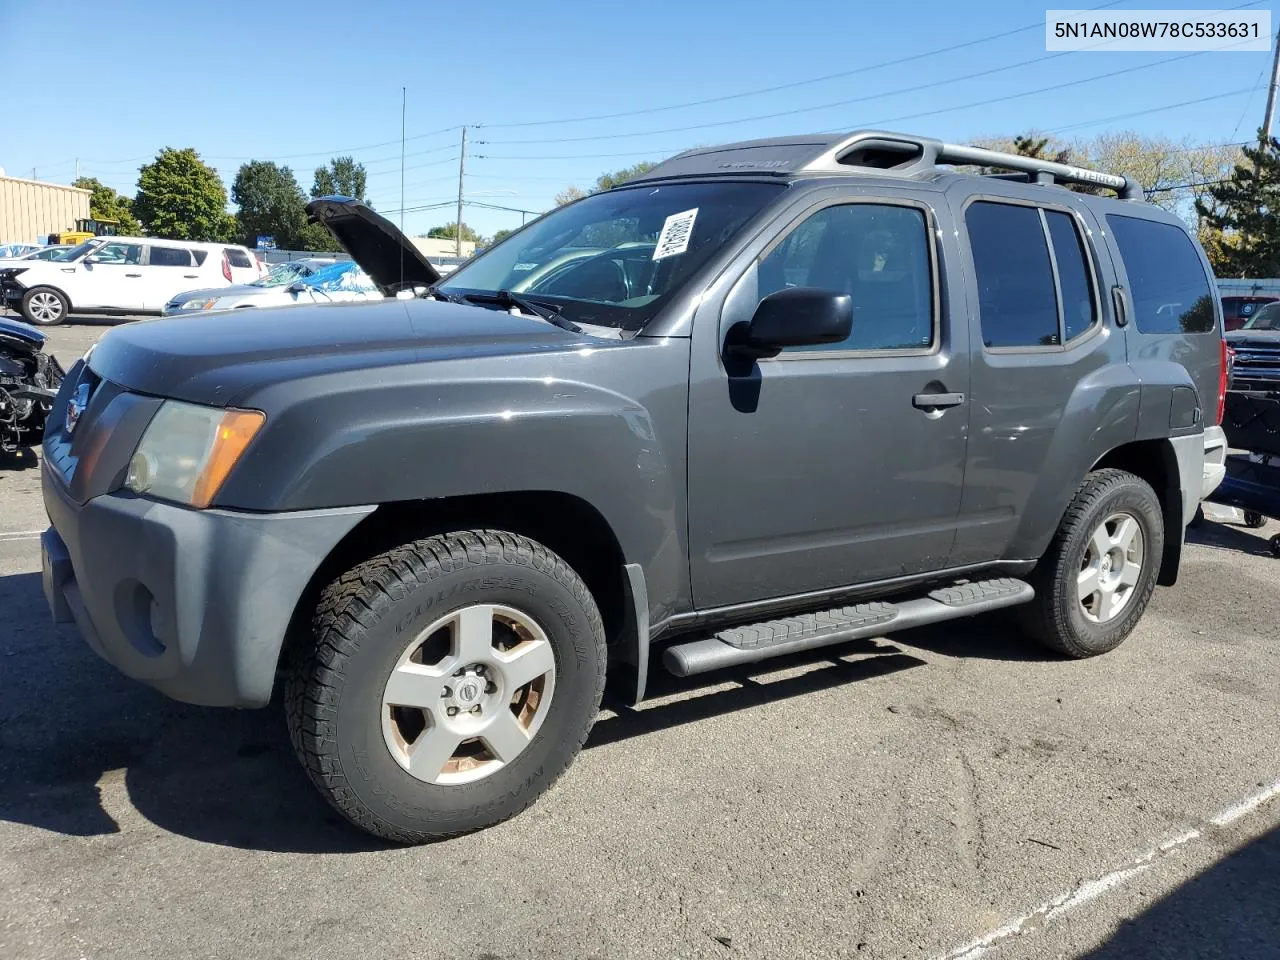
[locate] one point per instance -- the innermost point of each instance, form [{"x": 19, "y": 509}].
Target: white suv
[{"x": 122, "y": 275}]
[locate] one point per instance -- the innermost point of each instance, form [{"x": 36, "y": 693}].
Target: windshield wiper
[{"x": 506, "y": 298}]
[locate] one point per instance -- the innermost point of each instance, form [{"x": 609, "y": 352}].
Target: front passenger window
[{"x": 876, "y": 253}]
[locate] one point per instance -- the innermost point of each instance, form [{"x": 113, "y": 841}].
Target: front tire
[
  {"x": 448, "y": 683},
  {"x": 45, "y": 306},
  {"x": 1095, "y": 580}
]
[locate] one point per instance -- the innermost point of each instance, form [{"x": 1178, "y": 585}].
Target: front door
[
  {"x": 821, "y": 468},
  {"x": 110, "y": 278}
]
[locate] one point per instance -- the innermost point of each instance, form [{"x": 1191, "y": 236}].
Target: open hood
[
  {"x": 14, "y": 331},
  {"x": 375, "y": 243}
]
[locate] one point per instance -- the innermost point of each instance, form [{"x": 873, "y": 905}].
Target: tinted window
[
  {"x": 1016, "y": 298},
  {"x": 1078, "y": 307},
  {"x": 200, "y": 255},
  {"x": 1167, "y": 283},
  {"x": 170, "y": 257},
  {"x": 879, "y": 255},
  {"x": 238, "y": 258},
  {"x": 1266, "y": 318}
]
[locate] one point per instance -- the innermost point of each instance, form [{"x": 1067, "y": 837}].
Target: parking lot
[{"x": 946, "y": 792}]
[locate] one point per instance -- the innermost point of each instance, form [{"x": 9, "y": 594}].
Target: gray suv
[{"x": 768, "y": 397}]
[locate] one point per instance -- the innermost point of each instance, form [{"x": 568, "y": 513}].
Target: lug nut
[
  {"x": 480, "y": 669},
  {"x": 452, "y": 711},
  {"x": 476, "y": 708},
  {"x": 446, "y": 692},
  {"x": 490, "y": 687}
]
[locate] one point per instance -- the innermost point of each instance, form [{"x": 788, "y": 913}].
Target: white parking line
[
  {"x": 21, "y": 535},
  {"x": 1092, "y": 889}
]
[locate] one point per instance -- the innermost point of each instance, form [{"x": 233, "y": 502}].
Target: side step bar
[{"x": 775, "y": 638}]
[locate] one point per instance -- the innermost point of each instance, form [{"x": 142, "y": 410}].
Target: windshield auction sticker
[
  {"x": 1115, "y": 31},
  {"x": 675, "y": 235}
]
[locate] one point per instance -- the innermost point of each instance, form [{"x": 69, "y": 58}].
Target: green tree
[
  {"x": 271, "y": 204},
  {"x": 342, "y": 177},
  {"x": 1244, "y": 210},
  {"x": 449, "y": 231},
  {"x": 499, "y": 237},
  {"x": 568, "y": 195},
  {"x": 607, "y": 181},
  {"x": 317, "y": 239},
  {"x": 106, "y": 203},
  {"x": 182, "y": 198}
]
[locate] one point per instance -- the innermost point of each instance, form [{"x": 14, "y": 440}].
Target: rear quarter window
[
  {"x": 238, "y": 258},
  {"x": 1168, "y": 286}
]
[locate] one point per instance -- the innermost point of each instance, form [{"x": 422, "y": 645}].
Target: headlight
[
  {"x": 206, "y": 304},
  {"x": 188, "y": 450}
]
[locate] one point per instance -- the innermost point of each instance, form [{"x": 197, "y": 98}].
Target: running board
[{"x": 775, "y": 638}]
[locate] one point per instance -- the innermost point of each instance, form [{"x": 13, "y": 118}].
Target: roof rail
[{"x": 908, "y": 155}]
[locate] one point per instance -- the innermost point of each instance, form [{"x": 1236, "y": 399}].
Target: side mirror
[
  {"x": 297, "y": 286},
  {"x": 90, "y": 259},
  {"x": 795, "y": 317}
]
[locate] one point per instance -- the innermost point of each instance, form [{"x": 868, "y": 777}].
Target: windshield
[
  {"x": 340, "y": 276},
  {"x": 61, "y": 253},
  {"x": 1267, "y": 318},
  {"x": 615, "y": 258},
  {"x": 279, "y": 275},
  {"x": 82, "y": 249}
]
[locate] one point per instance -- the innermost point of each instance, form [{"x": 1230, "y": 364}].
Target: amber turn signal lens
[{"x": 233, "y": 434}]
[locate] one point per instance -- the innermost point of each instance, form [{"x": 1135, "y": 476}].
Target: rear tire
[
  {"x": 448, "y": 683},
  {"x": 45, "y": 306},
  {"x": 1095, "y": 580},
  {"x": 1254, "y": 520}
]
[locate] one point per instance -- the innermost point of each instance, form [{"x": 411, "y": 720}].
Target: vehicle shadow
[
  {"x": 25, "y": 459},
  {"x": 1228, "y": 911},
  {"x": 1229, "y": 536},
  {"x": 71, "y": 727}
]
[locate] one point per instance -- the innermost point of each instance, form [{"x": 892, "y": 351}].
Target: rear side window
[
  {"x": 237, "y": 258},
  {"x": 1167, "y": 283},
  {"x": 1016, "y": 297},
  {"x": 200, "y": 255},
  {"x": 170, "y": 257},
  {"x": 1022, "y": 302}
]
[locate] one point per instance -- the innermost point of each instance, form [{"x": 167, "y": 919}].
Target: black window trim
[
  {"x": 1085, "y": 237},
  {"x": 931, "y": 234}
]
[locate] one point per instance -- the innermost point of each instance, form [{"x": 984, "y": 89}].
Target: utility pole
[
  {"x": 402, "y": 102},
  {"x": 77, "y": 168},
  {"x": 1271, "y": 90},
  {"x": 462, "y": 164}
]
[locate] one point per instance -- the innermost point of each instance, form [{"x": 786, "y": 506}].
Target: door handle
[
  {"x": 190, "y": 276},
  {"x": 934, "y": 401},
  {"x": 133, "y": 274}
]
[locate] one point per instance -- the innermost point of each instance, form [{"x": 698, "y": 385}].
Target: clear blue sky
[{"x": 111, "y": 84}]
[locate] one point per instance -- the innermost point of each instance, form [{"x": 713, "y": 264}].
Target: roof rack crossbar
[{"x": 929, "y": 153}]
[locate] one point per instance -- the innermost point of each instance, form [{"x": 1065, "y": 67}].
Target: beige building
[
  {"x": 30, "y": 210},
  {"x": 433, "y": 249}
]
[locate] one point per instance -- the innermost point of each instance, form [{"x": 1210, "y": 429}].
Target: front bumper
[{"x": 195, "y": 603}]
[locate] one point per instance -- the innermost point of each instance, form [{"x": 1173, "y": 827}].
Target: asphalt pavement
[{"x": 949, "y": 792}]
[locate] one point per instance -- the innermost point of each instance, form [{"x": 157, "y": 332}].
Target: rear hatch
[{"x": 374, "y": 242}]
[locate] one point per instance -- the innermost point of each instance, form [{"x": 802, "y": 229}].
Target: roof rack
[
  {"x": 908, "y": 155},
  {"x": 887, "y": 154}
]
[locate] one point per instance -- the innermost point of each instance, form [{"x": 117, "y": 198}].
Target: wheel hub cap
[
  {"x": 1111, "y": 568},
  {"x": 468, "y": 694}
]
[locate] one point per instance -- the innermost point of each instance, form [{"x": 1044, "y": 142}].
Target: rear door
[
  {"x": 1044, "y": 360},
  {"x": 170, "y": 270}
]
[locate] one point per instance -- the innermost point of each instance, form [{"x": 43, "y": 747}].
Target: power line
[
  {"x": 1143, "y": 113},
  {"x": 898, "y": 61}
]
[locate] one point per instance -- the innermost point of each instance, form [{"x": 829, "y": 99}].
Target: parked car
[
  {"x": 12, "y": 251},
  {"x": 808, "y": 390},
  {"x": 41, "y": 253},
  {"x": 29, "y": 379},
  {"x": 120, "y": 275},
  {"x": 1236, "y": 310},
  {"x": 220, "y": 298},
  {"x": 337, "y": 282}
]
